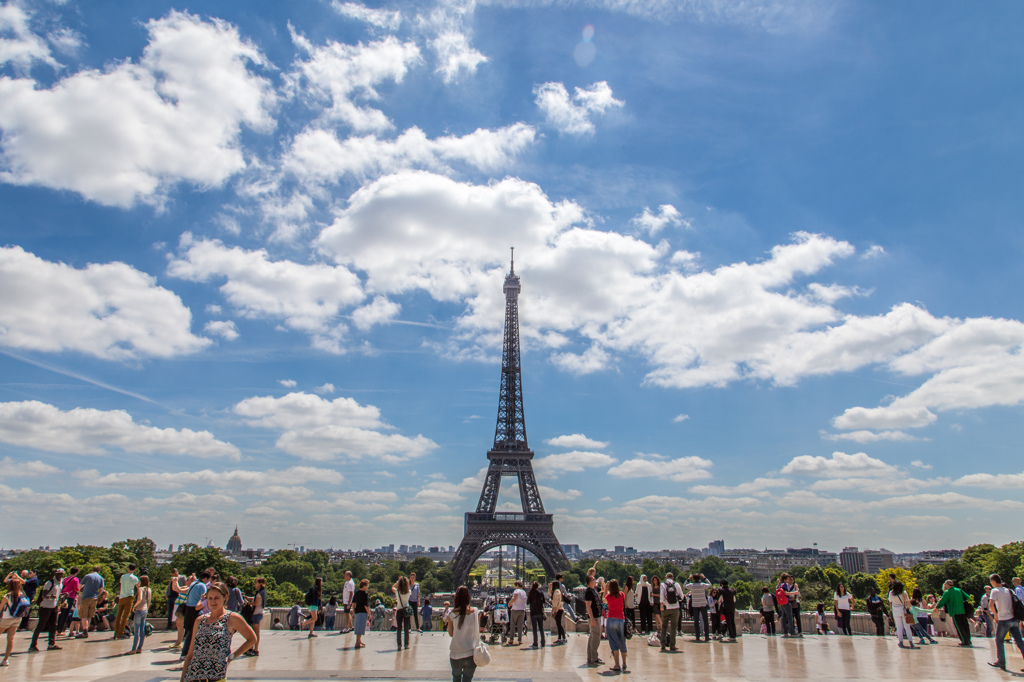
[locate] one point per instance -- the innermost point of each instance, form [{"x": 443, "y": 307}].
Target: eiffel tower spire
[{"x": 510, "y": 431}]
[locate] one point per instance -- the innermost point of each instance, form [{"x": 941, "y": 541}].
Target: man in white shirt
[
  {"x": 671, "y": 598},
  {"x": 347, "y": 594},
  {"x": 517, "y": 614},
  {"x": 1001, "y": 605},
  {"x": 125, "y": 599}
]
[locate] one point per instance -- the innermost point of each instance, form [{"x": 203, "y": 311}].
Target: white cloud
[
  {"x": 975, "y": 363},
  {"x": 222, "y": 328},
  {"x": 841, "y": 464},
  {"x": 593, "y": 359},
  {"x": 548, "y": 493},
  {"x": 680, "y": 418},
  {"x": 871, "y": 436},
  {"x": 889, "y": 485},
  {"x": 758, "y": 485},
  {"x": 128, "y": 133},
  {"x": 240, "y": 481},
  {"x": 572, "y": 115},
  {"x": 920, "y": 465},
  {"x": 380, "y": 311},
  {"x": 388, "y": 20},
  {"x": 318, "y": 156},
  {"x": 338, "y": 75},
  {"x": 19, "y": 46},
  {"x": 318, "y": 429},
  {"x": 26, "y": 469},
  {"x": 992, "y": 481},
  {"x": 288, "y": 383},
  {"x": 324, "y": 389},
  {"x": 110, "y": 310},
  {"x": 576, "y": 440},
  {"x": 571, "y": 462},
  {"x": 307, "y": 298},
  {"x": 653, "y": 223},
  {"x": 678, "y": 470},
  {"x": 446, "y": 28},
  {"x": 86, "y": 431}
]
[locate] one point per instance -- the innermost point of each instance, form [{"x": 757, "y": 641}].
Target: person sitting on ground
[
  {"x": 278, "y": 625},
  {"x": 821, "y": 623}
]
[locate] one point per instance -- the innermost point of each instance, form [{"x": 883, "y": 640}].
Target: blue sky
[{"x": 251, "y": 267}]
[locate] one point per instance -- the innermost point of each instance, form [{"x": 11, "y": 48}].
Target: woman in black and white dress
[{"x": 210, "y": 650}]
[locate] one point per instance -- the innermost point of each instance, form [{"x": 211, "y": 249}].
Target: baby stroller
[{"x": 498, "y": 627}]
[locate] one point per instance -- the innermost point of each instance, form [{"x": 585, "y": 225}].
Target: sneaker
[{"x": 54, "y": 647}]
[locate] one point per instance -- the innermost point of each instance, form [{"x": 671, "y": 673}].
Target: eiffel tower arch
[{"x": 532, "y": 529}]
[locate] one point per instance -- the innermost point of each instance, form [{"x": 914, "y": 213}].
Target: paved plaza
[{"x": 291, "y": 656}]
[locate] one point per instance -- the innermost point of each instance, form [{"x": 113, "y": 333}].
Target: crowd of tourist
[{"x": 206, "y": 612}]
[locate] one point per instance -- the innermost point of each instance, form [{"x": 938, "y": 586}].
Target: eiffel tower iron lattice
[{"x": 532, "y": 529}]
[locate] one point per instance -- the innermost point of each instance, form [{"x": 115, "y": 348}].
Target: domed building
[{"x": 235, "y": 543}]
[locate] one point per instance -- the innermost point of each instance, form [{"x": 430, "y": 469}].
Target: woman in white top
[
  {"x": 140, "y": 608},
  {"x": 464, "y": 628},
  {"x": 843, "y": 606},
  {"x": 557, "y": 609},
  {"x": 899, "y": 600}
]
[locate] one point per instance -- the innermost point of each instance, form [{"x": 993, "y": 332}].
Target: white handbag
[{"x": 481, "y": 654}]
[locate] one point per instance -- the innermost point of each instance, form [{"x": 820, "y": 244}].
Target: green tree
[
  {"x": 859, "y": 584},
  {"x": 421, "y": 566},
  {"x": 714, "y": 569},
  {"x": 298, "y": 573},
  {"x": 902, "y": 574},
  {"x": 143, "y": 549},
  {"x": 445, "y": 579},
  {"x": 976, "y": 554},
  {"x": 319, "y": 560},
  {"x": 191, "y": 558}
]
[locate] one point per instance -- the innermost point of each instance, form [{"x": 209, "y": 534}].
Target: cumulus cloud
[
  {"x": 864, "y": 436},
  {"x": 110, "y": 310},
  {"x": 86, "y": 431},
  {"x": 388, "y": 20},
  {"x": 288, "y": 383},
  {"x": 653, "y": 223},
  {"x": 19, "y": 46},
  {"x": 306, "y": 298},
  {"x": 678, "y": 470},
  {"x": 992, "y": 481},
  {"x": 337, "y": 76},
  {"x": 576, "y": 440},
  {"x": 128, "y": 133},
  {"x": 758, "y": 485},
  {"x": 840, "y": 464},
  {"x": 380, "y": 311},
  {"x": 319, "y": 156},
  {"x": 317, "y": 429},
  {"x": 572, "y": 115},
  {"x": 324, "y": 389},
  {"x": 26, "y": 469},
  {"x": 679, "y": 418},
  {"x": 571, "y": 462},
  {"x": 223, "y": 328}
]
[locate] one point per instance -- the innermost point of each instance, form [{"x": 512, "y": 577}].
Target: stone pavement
[{"x": 291, "y": 656}]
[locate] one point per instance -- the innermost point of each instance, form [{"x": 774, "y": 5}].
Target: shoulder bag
[{"x": 481, "y": 654}]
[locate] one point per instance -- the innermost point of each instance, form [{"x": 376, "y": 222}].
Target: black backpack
[
  {"x": 1018, "y": 607},
  {"x": 311, "y": 598},
  {"x": 671, "y": 596}
]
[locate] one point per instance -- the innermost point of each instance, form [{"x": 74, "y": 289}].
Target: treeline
[{"x": 290, "y": 574}]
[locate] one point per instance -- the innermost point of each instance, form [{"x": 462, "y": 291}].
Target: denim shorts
[{"x": 615, "y": 628}]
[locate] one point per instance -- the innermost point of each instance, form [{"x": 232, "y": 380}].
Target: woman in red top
[{"x": 616, "y": 625}]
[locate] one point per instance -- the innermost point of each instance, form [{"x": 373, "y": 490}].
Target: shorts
[
  {"x": 615, "y": 628},
  {"x": 180, "y": 610},
  {"x": 87, "y": 608},
  {"x": 313, "y": 609},
  {"x": 256, "y": 618},
  {"x": 346, "y": 608}
]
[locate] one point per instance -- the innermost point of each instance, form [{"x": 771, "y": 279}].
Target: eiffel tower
[{"x": 533, "y": 530}]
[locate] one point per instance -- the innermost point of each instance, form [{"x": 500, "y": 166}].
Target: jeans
[
  {"x": 402, "y": 624},
  {"x": 669, "y": 624},
  {"x": 537, "y": 623},
  {"x": 700, "y": 616},
  {"x": 360, "y": 624},
  {"x": 416, "y": 613},
  {"x": 593, "y": 640},
  {"x": 902, "y": 626},
  {"x": 138, "y": 630},
  {"x": 879, "y": 622},
  {"x": 463, "y": 669},
  {"x": 558, "y": 624},
  {"x": 329, "y": 623},
  {"x": 646, "y": 618},
  {"x": 47, "y": 620},
  {"x": 798, "y": 625},
  {"x": 769, "y": 621},
  {"x": 1003, "y": 627},
  {"x": 921, "y": 631},
  {"x": 616, "y": 631},
  {"x": 787, "y": 619},
  {"x": 844, "y": 622}
]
